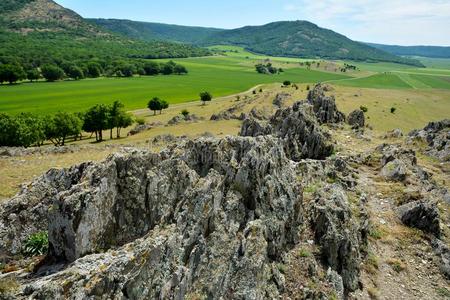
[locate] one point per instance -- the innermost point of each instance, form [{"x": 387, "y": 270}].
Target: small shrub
[
  {"x": 254, "y": 92},
  {"x": 140, "y": 121},
  {"x": 364, "y": 109},
  {"x": 286, "y": 83},
  {"x": 445, "y": 293},
  {"x": 393, "y": 109},
  {"x": 36, "y": 244},
  {"x": 308, "y": 87},
  {"x": 376, "y": 234},
  {"x": 260, "y": 90},
  {"x": 304, "y": 253},
  {"x": 397, "y": 265},
  {"x": 185, "y": 113}
]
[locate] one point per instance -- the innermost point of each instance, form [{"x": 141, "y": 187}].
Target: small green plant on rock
[
  {"x": 36, "y": 244},
  {"x": 185, "y": 113}
]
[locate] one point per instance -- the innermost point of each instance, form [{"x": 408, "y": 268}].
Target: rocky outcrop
[
  {"x": 443, "y": 253},
  {"x": 437, "y": 137},
  {"x": 280, "y": 99},
  {"x": 356, "y": 119},
  {"x": 324, "y": 106},
  {"x": 209, "y": 219},
  {"x": 338, "y": 234},
  {"x": 421, "y": 215},
  {"x": 393, "y": 134},
  {"x": 297, "y": 128},
  {"x": 27, "y": 212}
]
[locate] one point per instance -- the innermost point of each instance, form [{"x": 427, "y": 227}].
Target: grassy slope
[{"x": 219, "y": 75}]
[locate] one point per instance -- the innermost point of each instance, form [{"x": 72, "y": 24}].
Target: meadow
[
  {"x": 229, "y": 73},
  {"x": 219, "y": 75}
]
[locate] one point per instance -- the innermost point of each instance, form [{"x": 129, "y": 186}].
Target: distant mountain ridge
[
  {"x": 36, "y": 32},
  {"x": 425, "y": 51},
  {"x": 285, "y": 38}
]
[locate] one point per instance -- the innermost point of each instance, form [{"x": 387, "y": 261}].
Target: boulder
[
  {"x": 443, "y": 253},
  {"x": 280, "y": 99},
  {"x": 337, "y": 234},
  {"x": 297, "y": 128},
  {"x": 394, "y": 134},
  {"x": 421, "y": 215},
  {"x": 395, "y": 170},
  {"x": 324, "y": 106},
  {"x": 356, "y": 119}
]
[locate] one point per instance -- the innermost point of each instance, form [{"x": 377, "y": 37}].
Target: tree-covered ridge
[
  {"x": 302, "y": 39},
  {"x": 426, "y": 51},
  {"x": 34, "y": 33},
  {"x": 151, "y": 31}
]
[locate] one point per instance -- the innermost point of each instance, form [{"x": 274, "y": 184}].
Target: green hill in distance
[
  {"x": 425, "y": 51},
  {"x": 288, "y": 38},
  {"x": 35, "y": 32}
]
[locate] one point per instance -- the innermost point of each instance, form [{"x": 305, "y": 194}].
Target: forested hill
[
  {"x": 426, "y": 51},
  {"x": 303, "y": 39},
  {"x": 36, "y": 32},
  {"x": 292, "y": 38},
  {"x": 151, "y": 31}
]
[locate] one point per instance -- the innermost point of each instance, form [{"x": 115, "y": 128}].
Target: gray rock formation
[
  {"x": 395, "y": 134},
  {"x": 356, "y": 119},
  {"x": 27, "y": 212},
  {"x": 394, "y": 170},
  {"x": 280, "y": 99},
  {"x": 324, "y": 106},
  {"x": 437, "y": 136},
  {"x": 421, "y": 215},
  {"x": 443, "y": 253},
  {"x": 337, "y": 234},
  {"x": 209, "y": 220},
  {"x": 298, "y": 129}
]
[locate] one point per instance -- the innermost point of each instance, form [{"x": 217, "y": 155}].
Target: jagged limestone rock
[
  {"x": 437, "y": 136},
  {"x": 209, "y": 219},
  {"x": 421, "y": 215},
  {"x": 356, "y": 119},
  {"x": 338, "y": 234},
  {"x": 324, "y": 106}
]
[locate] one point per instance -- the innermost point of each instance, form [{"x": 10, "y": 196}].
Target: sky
[{"x": 396, "y": 22}]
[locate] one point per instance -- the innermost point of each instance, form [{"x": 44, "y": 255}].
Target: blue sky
[{"x": 402, "y": 22}]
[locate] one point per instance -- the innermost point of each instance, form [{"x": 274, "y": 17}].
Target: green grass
[
  {"x": 219, "y": 75},
  {"x": 438, "y": 63},
  {"x": 436, "y": 82},
  {"x": 381, "y": 81}
]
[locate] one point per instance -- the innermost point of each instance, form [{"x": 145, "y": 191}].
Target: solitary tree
[
  {"x": 62, "y": 125},
  {"x": 115, "y": 110},
  {"x": 155, "y": 104},
  {"x": 286, "y": 83},
  {"x": 123, "y": 121},
  {"x": 205, "y": 97},
  {"x": 164, "y": 105},
  {"x": 52, "y": 73},
  {"x": 96, "y": 120}
]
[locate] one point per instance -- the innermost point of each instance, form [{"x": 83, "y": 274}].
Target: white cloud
[{"x": 387, "y": 21}]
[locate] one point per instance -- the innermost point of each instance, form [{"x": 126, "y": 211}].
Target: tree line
[
  {"x": 27, "y": 129},
  {"x": 12, "y": 71}
]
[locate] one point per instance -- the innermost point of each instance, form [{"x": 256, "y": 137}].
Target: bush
[
  {"x": 205, "y": 97},
  {"x": 393, "y": 109},
  {"x": 364, "y": 109},
  {"x": 140, "y": 121},
  {"x": 286, "y": 83},
  {"x": 36, "y": 244},
  {"x": 185, "y": 113}
]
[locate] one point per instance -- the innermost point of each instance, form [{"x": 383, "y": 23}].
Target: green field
[
  {"x": 222, "y": 75},
  {"x": 219, "y": 75}
]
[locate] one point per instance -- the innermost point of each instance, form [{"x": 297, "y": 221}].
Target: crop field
[
  {"x": 222, "y": 75},
  {"x": 219, "y": 75}
]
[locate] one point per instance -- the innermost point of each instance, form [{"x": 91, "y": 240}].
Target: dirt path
[{"x": 401, "y": 263}]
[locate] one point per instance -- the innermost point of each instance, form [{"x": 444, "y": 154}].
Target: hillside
[
  {"x": 41, "y": 31},
  {"x": 296, "y": 39},
  {"x": 425, "y": 51},
  {"x": 151, "y": 31}
]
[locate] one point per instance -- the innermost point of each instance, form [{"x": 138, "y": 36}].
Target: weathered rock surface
[
  {"x": 280, "y": 99},
  {"x": 443, "y": 252},
  {"x": 340, "y": 238},
  {"x": 324, "y": 106},
  {"x": 437, "y": 137},
  {"x": 396, "y": 133},
  {"x": 356, "y": 119},
  {"x": 421, "y": 215},
  {"x": 297, "y": 128},
  {"x": 27, "y": 212}
]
